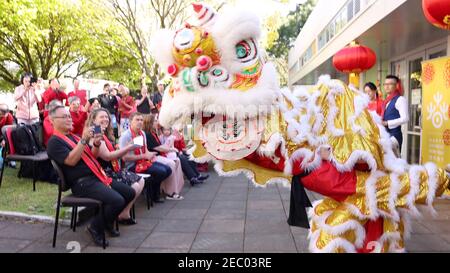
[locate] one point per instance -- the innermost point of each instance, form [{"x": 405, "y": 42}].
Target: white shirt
[{"x": 402, "y": 107}]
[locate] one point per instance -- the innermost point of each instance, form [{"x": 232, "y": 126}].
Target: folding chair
[
  {"x": 10, "y": 154},
  {"x": 72, "y": 201}
]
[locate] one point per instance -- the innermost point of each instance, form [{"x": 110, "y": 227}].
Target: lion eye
[{"x": 243, "y": 50}]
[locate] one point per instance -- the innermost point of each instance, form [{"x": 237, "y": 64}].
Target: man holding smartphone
[{"x": 109, "y": 102}]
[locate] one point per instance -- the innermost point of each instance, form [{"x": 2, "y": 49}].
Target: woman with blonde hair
[
  {"x": 174, "y": 183},
  {"x": 108, "y": 158}
]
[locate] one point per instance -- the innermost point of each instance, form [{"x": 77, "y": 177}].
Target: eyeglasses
[{"x": 65, "y": 117}]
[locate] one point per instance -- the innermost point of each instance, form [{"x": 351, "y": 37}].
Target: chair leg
[
  {"x": 117, "y": 224},
  {"x": 75, "y": 219},
  {"x": 72, "y": 219},
  {"x": 133, "y": 213},
  {"x": 34, "y": 176},
  {"x": 147, "y": 196},
  {"x": 104, "y": 223},
  {"x": 3, "y": 169},
  {"x": 55, "y": 230}
]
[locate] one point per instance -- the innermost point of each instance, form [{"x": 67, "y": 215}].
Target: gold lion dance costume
[{"x": 244, "y": 123}]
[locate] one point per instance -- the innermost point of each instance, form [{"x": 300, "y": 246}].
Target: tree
[
  {"x": 288, "y": 32},
  {"x": 52, "y": 37}
]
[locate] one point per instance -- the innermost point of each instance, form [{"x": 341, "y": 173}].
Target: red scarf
[
  {"x": 115, "y": 163},
  {"x": 88, "y": 158},
  {"x": 387, "y": 100},
  {"x": 143, "y": 164},
  {"x": 155, "y": 136}
]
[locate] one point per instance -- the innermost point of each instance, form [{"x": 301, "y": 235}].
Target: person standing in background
[
  {"x": 26, "y": 101},
  {"x": 80, "y": 93},
  {"x": 54, "y": 93},
  {"x": 110, "y": 103},
  {"x": 143, "y": 103},
  {"x": 376, "y": 103},
  {"x": 395, "y": 111},
  {"x": 126, "y": 107},
  {"x": 158, "y": 96}
]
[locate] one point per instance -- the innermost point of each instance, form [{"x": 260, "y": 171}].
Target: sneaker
[
  {"x": 202, "y": 177},
  {"x": 195, "y": 181},
  {"x": 175, "y": 197}
]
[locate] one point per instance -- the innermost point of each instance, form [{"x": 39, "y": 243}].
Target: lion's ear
[{"x": 161, "y": 47}]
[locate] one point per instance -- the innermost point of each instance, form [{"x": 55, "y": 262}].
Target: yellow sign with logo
[{"x": 436, "y": 111}]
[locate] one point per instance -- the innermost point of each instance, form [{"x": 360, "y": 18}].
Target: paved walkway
[{"x": 222, "y": 215}]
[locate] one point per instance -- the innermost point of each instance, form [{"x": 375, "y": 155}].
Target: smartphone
[{"x": 97, "y": 129}]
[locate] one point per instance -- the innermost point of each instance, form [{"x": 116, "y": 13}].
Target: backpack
[{"x": 25, "y": 139}]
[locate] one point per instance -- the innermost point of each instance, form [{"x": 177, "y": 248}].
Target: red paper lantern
[
  {"x": 437, "y": 12},
  {"x": 354, "y": 59}
]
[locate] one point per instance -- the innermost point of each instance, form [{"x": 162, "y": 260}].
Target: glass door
[{"x": 414, "y": 98}]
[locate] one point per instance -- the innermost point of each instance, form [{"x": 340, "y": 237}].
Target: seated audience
[
  {"x": 141, "y": 160},
  {"x": 109, "y": 157},
  {"x": 173, "y": 184},
  {"x": 84, "y": 173}
]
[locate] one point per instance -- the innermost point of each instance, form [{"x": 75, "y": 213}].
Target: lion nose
[{"x": 204, "y": 63}]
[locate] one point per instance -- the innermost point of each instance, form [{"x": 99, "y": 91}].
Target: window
[
  {"x": 349, "y": 10},
  {"x": 357, "y": 6}
]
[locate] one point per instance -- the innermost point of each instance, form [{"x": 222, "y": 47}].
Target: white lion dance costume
[{"x": 274, "y": 135}]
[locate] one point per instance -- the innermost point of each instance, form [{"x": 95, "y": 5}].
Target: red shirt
[
  {"x": 179, "y": 143},
  {"x": 376, "y": 106},
  {"x": 78, "y": 119},
  {"x": 51, "y": 94},
  {"x": 80, "y": 94},
  {"x": 48, "y": 130},
  {"x": 6, "y": 120},
  {"x": 125, "y": 113}
]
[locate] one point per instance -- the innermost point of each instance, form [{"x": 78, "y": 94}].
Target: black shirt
[
  {"x": 108, "y": 102},
  {"x": 152, "y": 142},
  {"x": 58, "y": 150},
  {"x": 157, "y": 99},
  {"x": 144, "y": 108}
]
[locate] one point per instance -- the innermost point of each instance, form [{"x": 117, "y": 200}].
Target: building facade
[{"x": 395, "y": 29}]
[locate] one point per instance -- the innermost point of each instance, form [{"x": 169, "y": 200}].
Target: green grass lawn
[{"x": 16, "y": 194}]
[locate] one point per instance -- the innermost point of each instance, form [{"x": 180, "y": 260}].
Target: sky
[{"x": 265, "y": 8}]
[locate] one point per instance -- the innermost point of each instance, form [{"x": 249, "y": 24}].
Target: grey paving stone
[
  {"x": 266, "y": 214},
  {"x": 146, "y": 224},
  {"x": 110, "y": 249},
  {"x": 439, "y": 227},
  {"x": 241, "y": 196},
  {"x": 225, "y": 226},
  {"x": 178, "y": 225},
  {"x": 193, "y": 204},
  {"x": 301, "y": 242},
  {"x": 13, "y": 245},
  {"x": 225, "y": 214},
  {"x": 269, "y": 243},
  {"x": 169, "y": 240},
  {"x": 186, "y": 214},
  {"x": 218, "y": 242},
  {"x": 61, "y": 246},
  {"x": 266, "y": 227},
  {"x": 129, "y": 239},
  {"x": 162, "y": 250},
  {"x": 4, "y": 223},
  {"x": 259, "y": 196},
  {"x": 26, "y": 231},
  {"x": 236, "y": 204},
  {"x": 419, "y": 228},
  {"x": 199, "y": 196},
  {"x": 426, "y": 243},
  {"x": 264, "y": 204}
]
